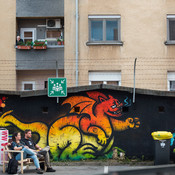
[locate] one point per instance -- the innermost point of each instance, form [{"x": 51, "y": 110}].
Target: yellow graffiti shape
[{"x": 8, "y": 120}]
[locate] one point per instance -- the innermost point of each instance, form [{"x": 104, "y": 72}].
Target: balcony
[
  {"x": 40, "y": 59},
  {"x": 41, "y": 29},
  {"x": 39, "y": 8}
]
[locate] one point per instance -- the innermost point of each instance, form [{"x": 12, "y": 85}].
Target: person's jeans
[{"x": 30, "y": 154}]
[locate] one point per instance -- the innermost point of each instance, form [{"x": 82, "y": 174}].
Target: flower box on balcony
[
  {"x": 39, "y": 47},
  {"x": 59, "y": 42},
  {"x": 24, "y": 47}
]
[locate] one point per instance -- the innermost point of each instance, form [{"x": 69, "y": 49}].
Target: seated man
[{"x": 41, "y": 151}]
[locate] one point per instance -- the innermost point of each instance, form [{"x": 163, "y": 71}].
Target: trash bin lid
[{"x": 161, "y": 135}]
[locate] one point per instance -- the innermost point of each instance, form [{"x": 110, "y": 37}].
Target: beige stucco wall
[
  {"x": 7, "y": 42},
  {"x": 37, "y": 76},
  {"x": 143, "y": 32}
]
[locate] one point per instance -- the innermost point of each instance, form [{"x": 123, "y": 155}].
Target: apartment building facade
[
  {"x": 7, "y": 51},
  {"x": 36, "y": 22},
  {"x": 111, "y": 34},
  {"x": 39, "y": 21}
]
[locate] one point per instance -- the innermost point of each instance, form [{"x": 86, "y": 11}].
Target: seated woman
[{"x": 17, "y": 144}]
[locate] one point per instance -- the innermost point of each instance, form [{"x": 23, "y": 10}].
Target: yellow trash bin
[
  {"x": 162, "y": 147},
  {"x": 161, "y": 135}
]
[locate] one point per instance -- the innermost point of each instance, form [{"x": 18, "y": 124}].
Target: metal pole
[
  {"x": 57, "y": 77},
  {"x": 77, "y": 16},
  {"x": 134, "y": 80}
]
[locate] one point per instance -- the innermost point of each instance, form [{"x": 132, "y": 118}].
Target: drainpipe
[
  {"x": 76, "y": 52},
  {"x": 134, "y": 80},
  {"x": 57, "y": 77}
]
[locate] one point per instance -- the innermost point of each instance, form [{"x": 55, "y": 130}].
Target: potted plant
[
  {"x": 59, "y": 41},
  {"x": 23, "y": 46},
  {"x": 39, "y": 45},
  {"x": 63, "y": 42}
]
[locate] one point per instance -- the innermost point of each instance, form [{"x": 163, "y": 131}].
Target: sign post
[{"x": 57, "y": 87}]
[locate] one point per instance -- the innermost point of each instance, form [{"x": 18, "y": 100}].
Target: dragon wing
[{"x": 84, "y": 104}]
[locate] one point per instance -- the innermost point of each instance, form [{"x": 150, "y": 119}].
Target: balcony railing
[{"x": 40, "y": 59}]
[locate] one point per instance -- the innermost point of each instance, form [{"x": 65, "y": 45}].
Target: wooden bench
[{"x": 22, "y": 162}]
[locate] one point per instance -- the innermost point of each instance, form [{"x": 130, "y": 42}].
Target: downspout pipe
[
  {"x": 77, "y": 38},
  {"x": 134, "y": 80}
]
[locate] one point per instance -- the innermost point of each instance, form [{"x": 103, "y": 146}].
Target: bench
[{"x": 22, "y": 162}]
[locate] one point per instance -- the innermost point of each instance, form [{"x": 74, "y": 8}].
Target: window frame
[
  {"x": 170, "y": 77},
  {"x": 169, "y": 18},
  {"x": 105, "y": 76},
  {"x": 33, "y": 30},
  {"x": 104, "y": 18},
  {"x": 28, "y": 82}
]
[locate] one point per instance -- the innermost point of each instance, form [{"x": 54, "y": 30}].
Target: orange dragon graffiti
[{"x": 82, "y": 134}]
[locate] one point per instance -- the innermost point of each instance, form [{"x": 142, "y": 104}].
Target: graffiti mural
[
  {"x": 85, "y": 131},
  {"x": 2, "y": 102}
]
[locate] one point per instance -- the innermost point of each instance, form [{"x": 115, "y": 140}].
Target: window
[
  {"x": 171, "y": 28},
  {"x": 104, "y": 29},
  {"x": 172, "y": 85},
  {"x": 45, "y": 84},
  {"x": 112, "y": 78},
  {"x": 171, "y": 81},
  {"x": 28, "y": 34},
  {"x": 54, "y": 33},
  {"x": 28, "y": 85},
  {"x": 45, "y": 110}
]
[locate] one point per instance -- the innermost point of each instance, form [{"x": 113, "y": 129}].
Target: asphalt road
[{"x": 80, "y": 170}]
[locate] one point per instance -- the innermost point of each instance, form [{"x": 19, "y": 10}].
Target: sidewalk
[{"x": 89, "y": 167}]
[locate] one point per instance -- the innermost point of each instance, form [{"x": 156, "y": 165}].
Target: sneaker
[
  {"x": 38, "y": 171},
  {"x": 19, "y": 171},
  {"x": 50, "y": 170}
]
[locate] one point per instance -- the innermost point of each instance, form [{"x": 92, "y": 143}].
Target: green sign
[{"x": 57, "y": 87}]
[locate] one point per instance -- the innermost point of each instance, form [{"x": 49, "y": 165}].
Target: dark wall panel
[{"x": 90, "y": 124}]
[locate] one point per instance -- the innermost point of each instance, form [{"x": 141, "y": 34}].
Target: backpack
[{"x": 12, "y": 166}]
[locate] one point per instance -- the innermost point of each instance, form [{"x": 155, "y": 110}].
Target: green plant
[
  {"x": 59, "y": 40},
  {"x": 119, "y": 150},
  {"x": 21, "y": 44},
  {"x": 29, "y": 43},
  {"x": 39, "y": 43}
]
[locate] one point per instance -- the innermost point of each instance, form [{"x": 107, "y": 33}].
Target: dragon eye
[{"x": 114, "y": 106}]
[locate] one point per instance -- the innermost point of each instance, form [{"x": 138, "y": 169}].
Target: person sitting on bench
[
  {"x": 17, "y": 144},
  {"x": 36, "y": 148}
]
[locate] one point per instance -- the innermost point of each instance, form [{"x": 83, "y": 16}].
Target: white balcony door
[{"x": 28, "y": 34}]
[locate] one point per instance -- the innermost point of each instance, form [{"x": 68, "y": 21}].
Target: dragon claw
[
  {"x": 134, "y": 122},
  {"x": 102, "y": 140}
]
